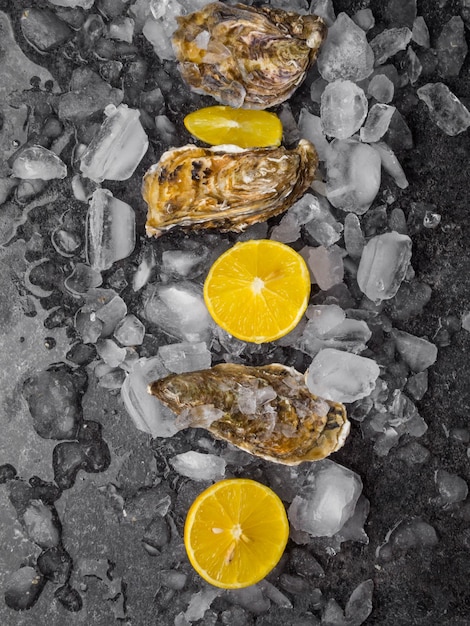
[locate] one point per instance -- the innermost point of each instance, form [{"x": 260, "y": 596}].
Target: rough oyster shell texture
[
  {"x": 246, "y": 56},
  {"x": 225, "y": 187},
  {"x": 267, "y": 411}
]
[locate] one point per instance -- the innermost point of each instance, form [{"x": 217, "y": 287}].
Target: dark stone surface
[{"x": 108, "y": 518}]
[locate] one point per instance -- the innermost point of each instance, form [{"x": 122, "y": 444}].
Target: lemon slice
[
  {"x": 246, "y": 128},
  {"x": 235, "y": 533},
  {"x": 258, "y": 290}
]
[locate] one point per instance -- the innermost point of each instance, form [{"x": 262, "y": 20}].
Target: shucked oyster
[
  {"x": 246, "y": 56},
  {"x": 225, "y": 187},
  {"x": 267, "y": 411}
]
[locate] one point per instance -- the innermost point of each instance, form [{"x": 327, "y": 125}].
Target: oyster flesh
[
  {"x": 244, "y": 56},
  {"x": 225, "y": 187},
  {"x": 267, "y": 411}
]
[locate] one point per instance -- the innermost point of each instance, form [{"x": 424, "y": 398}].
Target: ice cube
[
  {"x": 381, "y": 88},
  {"x": 144, "y": 270},
  {"x": 354, "y": 239},
  {"x": 303, "y": 211},
  {"x": 353, "y": 529},
  {"x": 178, "y": 309},
  {"x": 343, "y": 109},
  {"x": 417, "y": 385},
  {"x": 364, "y": 18},
  {"x": 341, "y": 376},
  {"x": 113, "y": 379},
  {"x": 326, "y": 265},
  {"x": 250, "y": 598},
  {"x": 273, "y": 593},
  {"x": 390, "y": 163},
  {"x": 166, "y": 131},
  {"x": 110, "y": 352},
  {"x": 445, "y": 109},
  {"x": 110, "y": 230},
  {"x": 161, "y": 25},
  {"x": 397, "y": 221},
  {"x": 353, "y": 175},
  {"x": 451, "y": 47},
  {"x": 118, "y": 148},
  {"x": 111, "y": 309},
  {"x": 323, "y": 227},
  {"x": 287, "y": 231},
  {"x": 399, "y": 136},
  {"x": 185, "y": 357},
  {"x": 324, "y": 317},
  {"x": 184, "y": 263},
  {"x": 414, "y": 66},
  {"x": 147, "y": 413},
  {"x": 89, "y": 94},
  {"x": 390, "y": 41},
  {"x": 200, "y": 602},
  {"x": 323, "y": 8},
  {"x": 420, "y": 32},
  {"x": 122, "y": 29},
  {"x": 377, "y": 123},
  {"x": 383, "y": 265},
  {"x": 82, "y": 278},
  {"x": 418, "y": 353},
  {"x": 310, "y": 128},
  {"x": 326, "y": 500},
  {"x": 345, "y": 53},
  {"x": 350, "y": 335},
  {"x": 199, "y": 466},
  {"x": 36, "y": 162},
  {"x": 391, "y": 421},
  {"x": 316, "y": 89},
  {"x": 130, "y": 331}
]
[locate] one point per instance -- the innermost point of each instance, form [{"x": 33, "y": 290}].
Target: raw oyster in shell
[
  {"x": 267, "y": 411},
  {"x": 246, "y": 56},
  {"x": 225, "y": 187}
]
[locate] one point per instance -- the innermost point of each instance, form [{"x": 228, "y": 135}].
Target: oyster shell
[
  {"x": 246, "y": 56},
  {"x": 267, "y": 411},
  {"x": 225, "y": 187}
]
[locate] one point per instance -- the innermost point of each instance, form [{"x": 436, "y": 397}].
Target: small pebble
[
  {"x": 70, "y": 457},
  {"x": 55, "y": 564},
  {"x": 7, "y": 472},
  {"x": 157, "y": 533},
  {"x": 69, "y": 598},
  {"x": 54, "y": 400},
  {"x": 23, "y": 588}
]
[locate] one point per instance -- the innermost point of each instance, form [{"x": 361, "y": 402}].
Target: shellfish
[
  {"x": 244, "y": 56},
  {"x": 225, "y": 187},
  {"x": 267, "y": 411}
]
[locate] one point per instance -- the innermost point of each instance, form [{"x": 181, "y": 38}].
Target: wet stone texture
[{"x": 92, "y": 509}]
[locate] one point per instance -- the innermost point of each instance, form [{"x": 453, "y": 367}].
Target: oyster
[
  {"x": 267, "y": 411},
  {"x": 246, "y": 56},
  {"x": 225, "y": 187}
]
